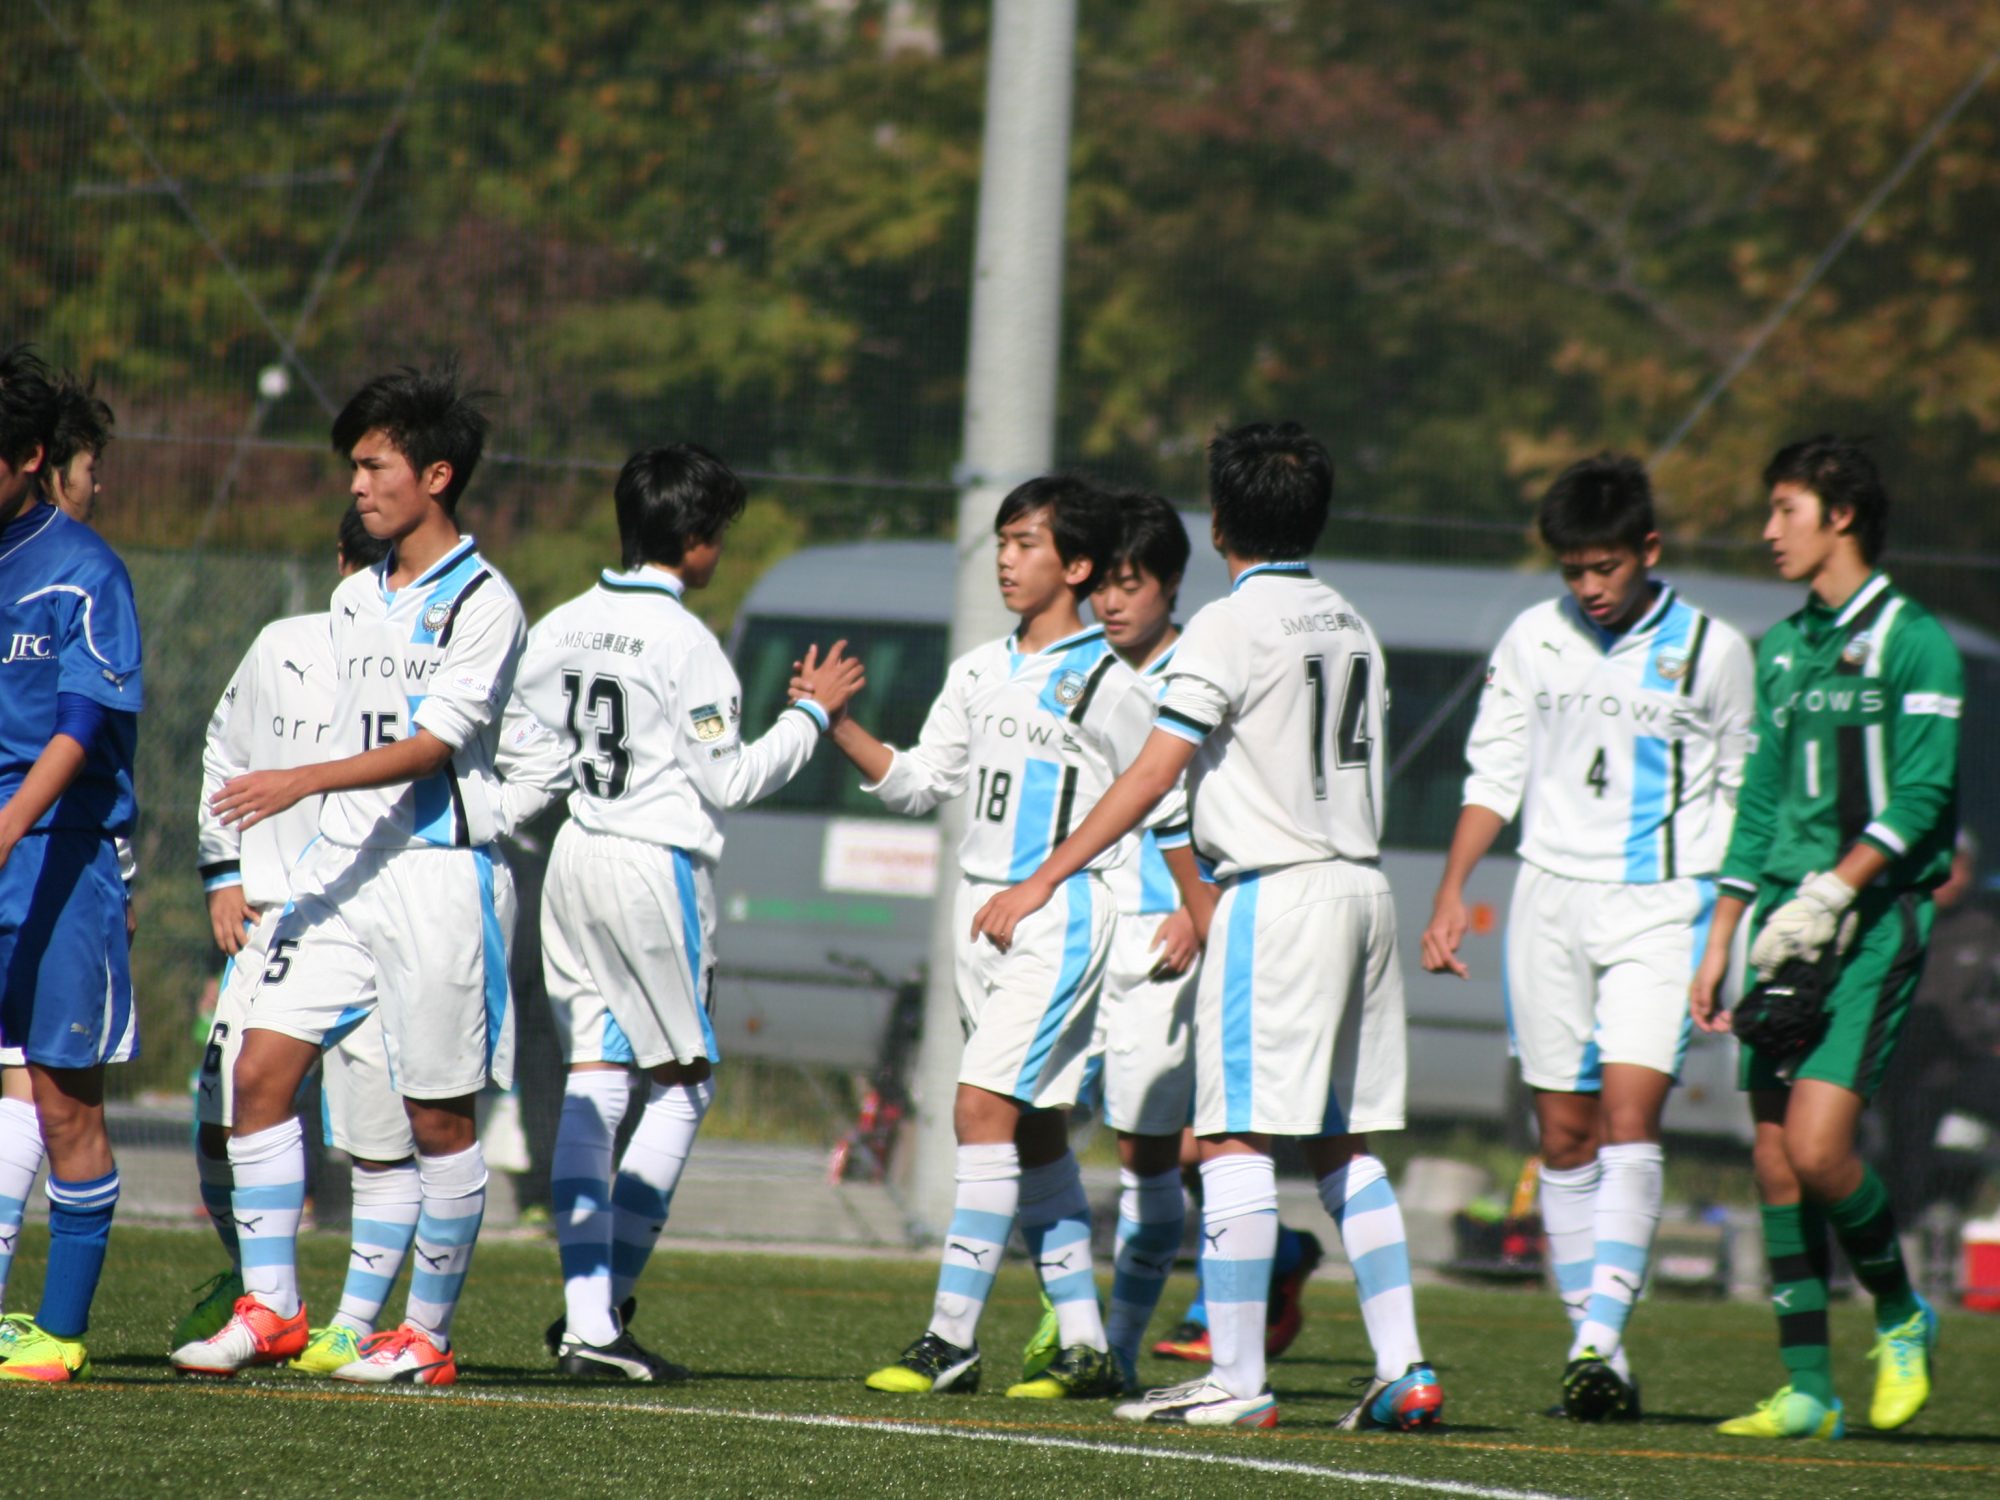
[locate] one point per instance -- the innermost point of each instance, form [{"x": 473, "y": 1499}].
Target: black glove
[{"x": 1786, "y": 1015}]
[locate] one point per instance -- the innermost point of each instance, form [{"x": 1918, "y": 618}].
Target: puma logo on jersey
[
  {"x": 292, "y": 666},
  {"x": 348, "y": 610},
  {"x": 1782, "y": 661},
  {"x": 978, "y": 1256},
  {"x": 1555, "y": 646}
]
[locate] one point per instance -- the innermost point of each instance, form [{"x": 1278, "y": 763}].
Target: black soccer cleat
[
  {"x": 929, "y": 1366},
  {"x": 1593, "y": 1391},
  {"x": 554, "y": 1334},
  {"x": 624, "y": 1358}
]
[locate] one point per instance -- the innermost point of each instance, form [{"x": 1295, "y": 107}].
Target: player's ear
[
  {"x": 1077, "y": 569},
  {"x": 437, "y": 478},
  {"x": 1649, "y": 551}
]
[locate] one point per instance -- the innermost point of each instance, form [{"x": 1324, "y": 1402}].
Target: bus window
[
  {"x": 905, "y": 664},
  {"x": 1433, "y": 696}
]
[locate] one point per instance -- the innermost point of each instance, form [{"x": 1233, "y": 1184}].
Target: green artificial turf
[{"x": 778, "y": 1339}]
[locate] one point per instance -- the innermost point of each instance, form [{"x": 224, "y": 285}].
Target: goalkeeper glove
[{"x": 1816, "y": 916}]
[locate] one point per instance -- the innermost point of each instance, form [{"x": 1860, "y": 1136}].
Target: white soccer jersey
[
  {"x": 1140, "y": 882},
  {"x": 651, "y": 713},
  {"x": 439, "y": 654},
  {"x": 1282, "y": 686},
  {"x": 1621, "y": 754},
  {"x": 276, "y": 713},
  {"x": 1034, "y": 740}
]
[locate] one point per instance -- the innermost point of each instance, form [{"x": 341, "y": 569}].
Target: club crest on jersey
[
  {"x": 1069, "y": 688},
  {"x": 708, "y": 722},
  {"x": 1672, "y": 665},
  {"x": 436, "y": 615},
  {"x": 1855, "y": 652}
]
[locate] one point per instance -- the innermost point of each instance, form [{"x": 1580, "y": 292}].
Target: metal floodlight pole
[{"x": 1010, "y": 424}]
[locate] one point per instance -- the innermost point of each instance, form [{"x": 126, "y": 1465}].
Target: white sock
[
  {"x": 1628, "y": 1215},
  {"x": 989, "y": 1194},
  {"x": 269, "y": 1167},
  {"x": 1569, "y": 1219},
  {"x": 1363, "y": 1205},
  {"x": 386, "y": 1203},
  {"x": 1151, "y": 1214},
  {"x": 648, "y": 1173},
  {"x": 454, "y": 1203},
  {"x": 1055, "y": 1221},
  {"x": 20, "y": 1159},
  {"x": 1239, "y": 1226},
  {"x": 594, "y": 1103}
]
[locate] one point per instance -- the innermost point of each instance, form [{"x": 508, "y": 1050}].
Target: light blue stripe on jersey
[
  {"x": 493, "y": 954},
  {"x": 614, "y": 1045},
  {"x": 1650, "y": 758},
  {"x": 1698, "y": 945},
  {"x": 1075, "y": 959},
  {"x": 1034, "y": 816},
  {"x": 1289, "y": 569},
  {"x": 442, "y": 589},
  {"x": 691, "y": 945},
  {"x": 432, "y": 816},
  {"x": 1078, "y": 661},
  {"x": 1239, "y": 978},
  {"x": 1157, "y": 891}
]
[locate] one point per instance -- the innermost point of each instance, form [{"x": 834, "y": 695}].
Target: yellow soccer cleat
[
  {"x": 929, "y": 1366},
  {"x": 1902, "y": 1358},
  {"x": 1789, "y": 1414},
  {"x": 1044, "y": 1346},
  {"x": 32, "y": 1354},
  {"x": 1076, "y": 1373},
  {"x": 326, "y": 1350}
]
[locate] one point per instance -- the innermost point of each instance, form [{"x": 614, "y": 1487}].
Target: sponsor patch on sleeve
[{"x": 708, "y": 722}]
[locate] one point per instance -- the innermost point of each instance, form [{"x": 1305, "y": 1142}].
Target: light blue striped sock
[
  {"x": 454, "y": 1203},
  {"x": 1055, "y": 1222},
  {"x": 20, "y": 1160},
  {"x": 269, "y": 1169},
  {"x": 648, "y": 1174},
  {"x": 1239, "y": 1230},
  {"x": 1151, "y": 1215},
  {"x": 1628, "y": 1215},
  {"x": 989, "y": 1193},
  {"x": 1363, "y": 1205},
  {"x": 386, "y": 1205},
  {"x": 594, "y": 1102}
]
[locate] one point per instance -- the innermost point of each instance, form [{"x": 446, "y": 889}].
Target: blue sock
[
  {"x": 1197, "y": 1310},
  {"x": 79, "y": 1231},
  {"x": 1291, "y": 1250}
]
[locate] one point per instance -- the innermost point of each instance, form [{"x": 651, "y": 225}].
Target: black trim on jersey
[
  {"x": 1679, "y": 790},
  {"x": 1700, "y": 639},
  {"x": 451, "y": 620},
  {"x": 1187, "y": 720},
  {"x": 1902, "y": 969},
  {"x": 461, "y": 834},
  {"x": 1854, "y": 809},
  {"x": 221, "y": 867},
  {"x": 1090, "y": 686},
  {"x": 1173, "y": 830},
  {"x": 1065, "y": 803}
]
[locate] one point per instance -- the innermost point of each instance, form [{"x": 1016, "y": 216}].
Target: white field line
[{"x": 895, "y": 1428}]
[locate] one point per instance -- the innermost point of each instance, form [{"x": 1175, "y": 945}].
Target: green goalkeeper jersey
[{"x": 1856, "y": 738}]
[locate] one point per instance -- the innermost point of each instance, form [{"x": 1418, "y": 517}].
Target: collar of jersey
[
  {"x": 28, "y": 525},
  {"x": 1288, "y": 569},
  {"x": 1067, "y": 643},
  {"x": 1863, "y": 597},
  {"x": 643, "y": 578},
  {"x": 1609, "y": 641},
  {"x": 429, "y": 575},
  {"x": 1157, "y": 667}
]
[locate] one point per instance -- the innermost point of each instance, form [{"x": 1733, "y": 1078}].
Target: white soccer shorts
[
  {"x": 1142, "y": 1050},
  {"x": 420, "y": 935},
  {"x": 1298, "y": 1025},
  {"x": 1029, "y": 1013},
  {"x": 1597, "y": 972},
  {"x": 215, "y": 1086},
  {"x": 628, "y": 950}
]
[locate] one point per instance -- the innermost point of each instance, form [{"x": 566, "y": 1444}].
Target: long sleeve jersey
[{"x": 1856, "y": 738}]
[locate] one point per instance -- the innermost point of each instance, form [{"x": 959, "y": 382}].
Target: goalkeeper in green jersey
[{"x": 1843, "y": 827}]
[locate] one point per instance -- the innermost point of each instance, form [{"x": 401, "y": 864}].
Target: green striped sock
[
  {"x": 1795, "y": 1244},
  {"x": 1866, "y": 1228}
]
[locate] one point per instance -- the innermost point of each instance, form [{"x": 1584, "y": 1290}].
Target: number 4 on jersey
[{"x": 1596, "y": 777}]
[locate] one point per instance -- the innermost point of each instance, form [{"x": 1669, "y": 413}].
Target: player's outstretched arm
[
  {"x": 933, "y": 770},
  {"x": 1705, "y": 992},
  {"x": 225, "y": 753},
  {"x": 1182, "y": 934},
  {"x": 1124, "y": 804},
  {"x": 1477, "y": 828},
  {"x": 247, "y": 800}
]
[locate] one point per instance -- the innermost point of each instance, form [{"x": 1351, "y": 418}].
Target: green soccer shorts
[{"x": 1870, "y": 997}]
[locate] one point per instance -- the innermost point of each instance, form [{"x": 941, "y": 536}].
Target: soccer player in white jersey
[
  {"x": 401, "y": 903},
  {"x": 650, "y": 713},
  {"x": 277, "y": 713},
  {"x": 1614, "y": 724},
  {"x": 1274, "y": 711},
  {"x": 1033, "y": 728},
  {"x": 82, "y": 429}
]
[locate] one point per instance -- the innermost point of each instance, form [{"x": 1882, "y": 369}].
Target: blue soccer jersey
[{"x": 68, "y": 624}]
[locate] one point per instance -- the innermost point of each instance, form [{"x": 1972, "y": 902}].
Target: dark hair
[
  {"x": 1151, "y": 537},
  {"x": 27, "y": 407},
  {"x": 425, "y": 416},
  {"x": 357, "y": 548},
  {"x": 83, "y": 422},
  {"x": 1844, "y": 477},
  {"x": 1270, "y": 485},
  {"x": 1083, "y": 521},
  {"x": 671, "y": 497},
  {"x": 1602, "y": 501}
]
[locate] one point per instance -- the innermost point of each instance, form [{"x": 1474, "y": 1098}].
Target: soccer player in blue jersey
[
  {"x": 1034, "y": 727},
  {"x": 70, "y": 692}
]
